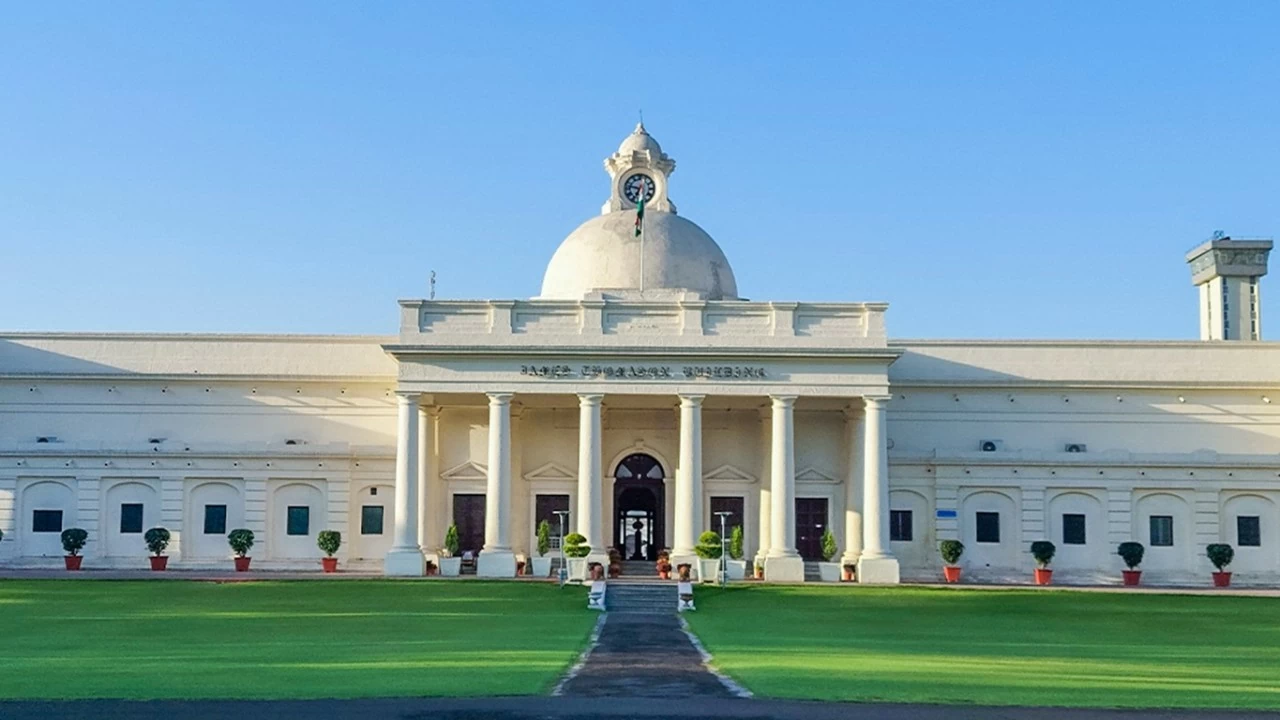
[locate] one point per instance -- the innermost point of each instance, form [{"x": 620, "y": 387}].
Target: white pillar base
[
  {"x": 496, "y": 564},
  {"x": 850, "y": 558},
  {"x": 878, "y": 571},
  {"x": 784, "y": 569},
  {"x": 404, "y": 562}
]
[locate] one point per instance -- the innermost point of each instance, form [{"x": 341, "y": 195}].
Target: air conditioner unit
[
  {"x": 1076, "y": 447},
  {"x": 991, "y": 445}
]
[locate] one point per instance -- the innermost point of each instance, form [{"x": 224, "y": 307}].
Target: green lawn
[
  {"x": 302, "y": 639},
  {"x": 995, "y": 647}
]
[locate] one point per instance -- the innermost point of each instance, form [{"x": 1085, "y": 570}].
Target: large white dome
[{"x": 603, "y": 254}]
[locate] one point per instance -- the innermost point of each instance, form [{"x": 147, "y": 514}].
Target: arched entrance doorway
[{"x": 639, "y": 505}]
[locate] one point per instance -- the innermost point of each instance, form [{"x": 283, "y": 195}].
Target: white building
[{"x": 642, "y": 394}]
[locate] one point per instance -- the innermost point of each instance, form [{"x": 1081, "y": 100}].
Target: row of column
[{"x": 866, "y": 524}]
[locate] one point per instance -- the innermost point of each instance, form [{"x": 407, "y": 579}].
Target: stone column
[
  {"x": 855, "y": 439},
  {"x": 405, "y": 555},
  {"x": 764, "y": 534},
  {"x": 590, "y": 480},
  {"x": 426, "y": 472},
  {"x": 877, "y": 564},
  {"x": 688, "y": 481},
  {"x": 783, "y": 563},
  {"x": 497, "y": 559}
]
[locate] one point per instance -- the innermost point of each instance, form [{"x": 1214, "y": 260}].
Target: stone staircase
[
  {"x": 811, "y": 572},
  {"x": 639, "y": 569},
  {"x": 657, "y": 598}
]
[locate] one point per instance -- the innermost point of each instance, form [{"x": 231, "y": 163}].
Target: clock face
[{"x": 638, "y": 185}]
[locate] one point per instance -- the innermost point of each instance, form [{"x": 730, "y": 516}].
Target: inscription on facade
[{"x": 644, "y": 372}]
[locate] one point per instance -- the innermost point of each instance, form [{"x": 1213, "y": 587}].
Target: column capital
[
  {"x": 691, "y": 400},
  {"x": 408, "y": 397},
  {"x": 587, "y": 399},
  {"x": 782, "y": 401},
  {"x": 876, "y": 401},
  {"x": 500, "y": 398},
  {"x": 432, "y": 411}
]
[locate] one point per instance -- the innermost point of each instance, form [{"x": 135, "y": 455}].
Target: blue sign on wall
[{"x": 946, "y": 513}]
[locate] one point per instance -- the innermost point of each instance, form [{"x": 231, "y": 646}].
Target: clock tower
[{"x": 639, "y": 167}]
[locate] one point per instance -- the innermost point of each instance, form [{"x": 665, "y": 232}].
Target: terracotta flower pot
[
  {"x": 664, "y": 574},
  {"x": 1131, "y": 577},
  {"x": 847, "y": 574},
  {"x": 519, "y": 567},
  {"x": 1222, "y": 579},
  {"x": 330, "y": 564},
  {"x": 951, "y": 573},
  {"x": 759, "y": 573},
  {"x": 242, "y": 564},
  {"x": 159, "y": 562},
  {"x": 73, "y": 561},
  {"x": 1043, "y": 576}
]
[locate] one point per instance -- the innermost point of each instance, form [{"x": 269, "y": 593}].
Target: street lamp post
[
  {"x": 724, "y": 575},
  {"x": 562, "y": 574}
]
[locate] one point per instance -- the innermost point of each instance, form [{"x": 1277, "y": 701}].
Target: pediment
[
  {"x": 466, "y": 471},
  {"x": 551, "y": 472},
  {"x": 728, "y": 473},
  {"x": 814, "y": 475}
]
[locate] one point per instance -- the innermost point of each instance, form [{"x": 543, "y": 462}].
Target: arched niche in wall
[
  {"x": 213, "y": 509},
  {"x": 920, "y": 551},
  {"x": 45, "y": 508},
  {"x": 976, "y": 509},
  {"x": 130, "y": 508},
  {"x": 1180, "y": 555},
  {"x": 371, "y": 531},
  {"x": 296, "y": 515},
  {"x": 1251, "y": 517},
  {"x": 1067, "y": 510}
]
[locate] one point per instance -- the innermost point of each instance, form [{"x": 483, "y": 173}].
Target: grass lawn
[
  {"x": 995, "y": 647},
  {"x": 302, "y": 639}
]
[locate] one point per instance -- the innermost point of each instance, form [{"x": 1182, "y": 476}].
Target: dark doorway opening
[
  {"x": 468, "y": 515},
  {"x": 732, "y": 504},
  {"x": 639, "y": 506},
  {"x": 811, "y": 522}
]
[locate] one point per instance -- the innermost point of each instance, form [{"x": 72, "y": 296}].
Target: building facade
[{"x": 641, "y": 394}]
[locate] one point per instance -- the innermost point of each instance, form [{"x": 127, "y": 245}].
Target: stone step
[
  {"x": 811, "y": 572},
  {"x": 641, "y": 599}
]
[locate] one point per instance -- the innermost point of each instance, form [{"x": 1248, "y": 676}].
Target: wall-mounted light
[
  {"x": 1266, "y": 399},
  {"x": 1181, "y": 399}
]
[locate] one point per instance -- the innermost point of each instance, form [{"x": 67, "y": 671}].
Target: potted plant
[
  {"x": 827, "y": 570},
  {"x": 736, "y": 566},
  {"x": 596, "y": 570},
  {"x": 1042, "y": 551},
  {"x": 759, "y": 570},
  {"x": 1221, "y": 555},
  {"x": 683, "y": 572},
  {"x": 157, "y": 539},
  {"x": 951, "y": 550},
  {"x": 576, "y": 550},
  {"x": 73, "y": 540},
  {"x": 430, "y": 567},
  {"x": 542, "y": 563},
  {"x": 450, "y": 562},
  {"x": 709, "y": 551},
  {"x": 241, "y": 542},
  {"x": 329, "y": 541},
  {"x": 664, "y": 564},
  {"x": 615, "y": 563},
  {"x": 1131, "y": 553},
  {"x": 850, "y": 571}
]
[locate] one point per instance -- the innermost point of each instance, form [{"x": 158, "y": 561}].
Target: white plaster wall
[
  {"x": 1250, "y": 560},
  {"x": 920, "y": 554},
  {"x": 202, "y": 492},
  {"x": 1180, "y": 558},
  {"x": 144, "y": 492},
  {"x": 44, "y": 494},
  {"x": 991, "y": 558},
  {"x": 371, "y": 547},
  {"x": 282, "y": 494},
  {"x": 1091, "y": 555}
]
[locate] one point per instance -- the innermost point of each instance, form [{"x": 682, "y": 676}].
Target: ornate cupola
[{"x": 639, "y": 165}]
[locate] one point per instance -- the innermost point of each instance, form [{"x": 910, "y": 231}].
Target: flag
[{"x": 644, "y": 187}]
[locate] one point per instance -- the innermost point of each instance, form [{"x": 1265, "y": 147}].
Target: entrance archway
[{"x": 639, "y": 506}]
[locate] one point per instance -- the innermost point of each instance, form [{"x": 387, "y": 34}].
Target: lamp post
[
  {"x": 562, "y": 574},
  {"x": 724, "y": 576}
]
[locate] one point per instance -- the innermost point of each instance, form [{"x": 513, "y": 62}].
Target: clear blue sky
[{"x": 1016, "y": 169}]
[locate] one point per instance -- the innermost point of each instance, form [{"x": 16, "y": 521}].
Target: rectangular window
[
  {"x": 215, "y": 519},
  {"x": 900, "y": 525},
  {"x": 130, "y": 518},
  {"x": 299, "y": 520},
  {"x": 1248, "y": 531},
  {"x": 371, "y": 520},
  {"x": 732, "y": 505},
  {"x": 545, "y": 507},
  {"x": 46, "y": 521},
  {"x": 1161, "y": 531},
  {"x": 1072, "y": 529},
  {"x": 988, "y": 526}
]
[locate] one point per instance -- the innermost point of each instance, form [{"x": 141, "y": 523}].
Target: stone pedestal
[
  {"x": 878, "y": 571},
  {"x": 404, "y": 563},
  {"x": 784, "y": 569},
  {"x": 496, "y": 564}
]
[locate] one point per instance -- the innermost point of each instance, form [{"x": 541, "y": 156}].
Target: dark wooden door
[
  {"x": 811, "y": 522},
  {"x": 545, "y": 507},
  {"x": 730, "y": 504},
  {"x": 468, "y": 515}
]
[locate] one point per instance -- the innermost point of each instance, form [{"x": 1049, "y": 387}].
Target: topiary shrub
[
  {"x": 241, "y": 541},
  {"x": 329, "y": 541},
  {"x": 951, "y": 550},
  {"x": 829, "y": 548},
  {"x": 1131, "y": 553},
  {"x": 1043, "y": 551},
  {"x": 157, "y": 539},
  {"x": 709, "y": 547},
  {"x": 73, "y": 540},
  {"x": 544, "y": 538},
  {"x": 451, "y": 541},
  {"x": 575, "y": 545},
  {"x": 735, "y": 543},
  {"x": 1220, "y": 554}
]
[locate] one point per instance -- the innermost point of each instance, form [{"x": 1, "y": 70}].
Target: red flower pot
[
  {"x": 759, "y": 573},
  {"x": 848, "y": 575},
  {"x": 1222, "y": 579},
  {"x": 73, "y": 561},
  {"x": 159, "y": 562},
  {"x": 951, "y": 573},
  {"x": 664, "y": 574},
  {"x": 1043, "y": 576},
  {"x": 519, "y": 567},
  {"x": 242, "y": 564},
  {"x": 330, "y": 564},
  {"x": 1131, "y": 577}
]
